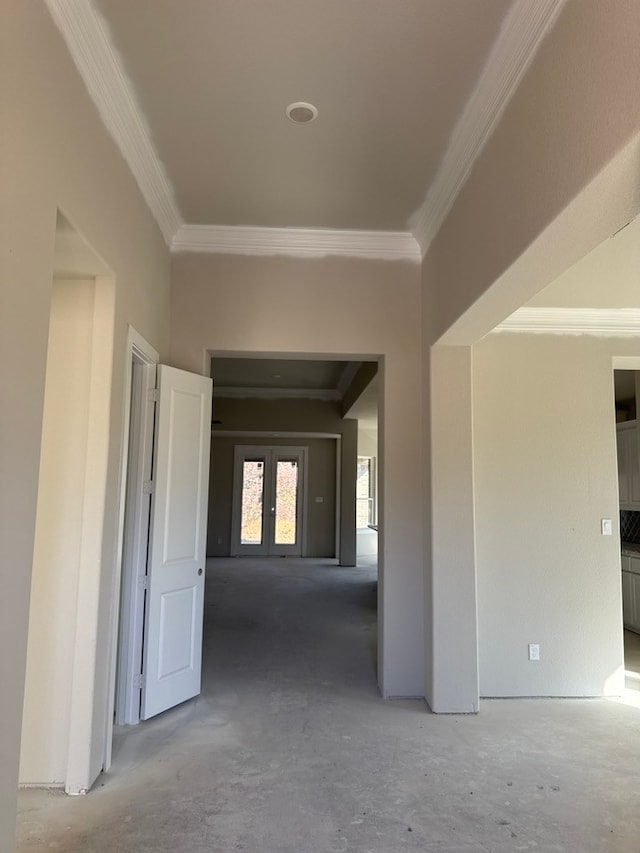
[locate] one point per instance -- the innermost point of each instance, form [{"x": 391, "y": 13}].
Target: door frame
[
  {"x": 125, "y": 597},
  {"x": 240, "y": 451}
]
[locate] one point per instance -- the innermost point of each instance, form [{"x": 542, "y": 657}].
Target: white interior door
[
  {"x": 269, "y": 501},
  {"x": 175, "y": 581}
]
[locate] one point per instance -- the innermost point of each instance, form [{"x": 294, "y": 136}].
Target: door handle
[{"x": 199, "y": 571}]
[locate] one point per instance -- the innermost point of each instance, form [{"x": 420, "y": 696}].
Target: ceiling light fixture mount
[{"x": 301, "y": 112}]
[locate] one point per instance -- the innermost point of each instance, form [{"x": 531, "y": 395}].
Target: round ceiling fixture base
[{"x": 301, "y": 112}]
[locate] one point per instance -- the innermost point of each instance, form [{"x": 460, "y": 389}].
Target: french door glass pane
[
  {"x": 364, "y": 501},
  {"x": 286, "y": 501},
  {"x": 252, "y": 502}
]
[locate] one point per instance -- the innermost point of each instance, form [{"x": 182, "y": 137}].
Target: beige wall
[
  {"x": 550, "y": 185},
  {"x": 57, "y": 155},
  {"x": 605, "y": 278},
  {"x": 545, "y": 151},
  {"x": 576, "y": 109},
  {"x": 343, "y": 307},
  {"x": 321, "y": 482},
  {"x": 453, "y": 678},
  {"x": 56, "y": 560},
  {"x": 545, "y": 469}
]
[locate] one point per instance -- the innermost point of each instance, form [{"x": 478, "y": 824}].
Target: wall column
[{"x": 453, "y": 683}]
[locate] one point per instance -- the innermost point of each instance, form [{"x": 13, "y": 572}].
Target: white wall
[
  {"x": 56, "y": 154},
  {"x": 545, "y": 469},
  {"x": 352, "y": 309}
]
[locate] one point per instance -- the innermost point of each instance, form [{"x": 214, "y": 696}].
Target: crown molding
[
  {"x": 608, "y": 322},
  {"x": 95, "y": 58},
  {"x": 296, "y": 242},
  {"x": 326, "y": 394},
  {"x": 521, "y": 34}
]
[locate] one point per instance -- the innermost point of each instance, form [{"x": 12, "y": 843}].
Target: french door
[{"x": 268, "y": 501}]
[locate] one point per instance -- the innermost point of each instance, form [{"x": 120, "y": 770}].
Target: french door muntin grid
[{"x": 268, "y": 500}]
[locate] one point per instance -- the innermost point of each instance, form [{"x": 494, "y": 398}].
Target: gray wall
[
  {"x": 289, "y": 416},
  {"x": 321, "y": 481}
]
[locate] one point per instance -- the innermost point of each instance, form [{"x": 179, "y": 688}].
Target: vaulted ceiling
[{"x": 407, "y": 92}]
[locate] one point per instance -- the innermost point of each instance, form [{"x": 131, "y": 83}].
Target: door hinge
[
  {"x": 152, "y": 395},
  {"x": 143, "y": 581},
  {"x": 147, "y": 487},
  {"x": 138, "y": 681}
]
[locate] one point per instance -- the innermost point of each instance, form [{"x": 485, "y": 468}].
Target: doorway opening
[
  {"x": 161, "y": 605},
  {"x": 627, "y": 406},
  {"x": 57, "y": 749},
  {"x": 293, "y": 483},
  {"x": 294, "y": 446}
]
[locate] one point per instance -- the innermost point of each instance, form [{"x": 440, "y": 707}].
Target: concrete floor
[{"x": 291, "y": 750}]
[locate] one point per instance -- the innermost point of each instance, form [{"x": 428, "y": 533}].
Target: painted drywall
[
  {"x": 548, "y": 147},
  {"x": 453, "y": 685},
  {"x": 545, "y": 473},
  {"x": 321, "y": 483},
  {"x": 550, "y": 186},
  {"x": 607, "y": 277},
  {"x": 56, "y": 560},
  {"x": 297, "y": 415},
  {"x": 351, "y": 308},
  {"x": 367, "y": 442},
  {"x": 56, "y": 154},
  {"x": 367, "y": 539}
]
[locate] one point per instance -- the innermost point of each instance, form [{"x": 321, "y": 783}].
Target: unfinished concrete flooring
[{"x": 290, "y": 749}]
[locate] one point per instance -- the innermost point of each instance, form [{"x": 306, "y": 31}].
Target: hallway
[{"x": 290, "y": 749}]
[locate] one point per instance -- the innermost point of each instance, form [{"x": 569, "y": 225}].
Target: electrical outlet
[{"x": 534, "y": 651}]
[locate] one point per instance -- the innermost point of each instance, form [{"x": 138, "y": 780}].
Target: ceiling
[
  {"x": 389, "y": 79},
  {"x": 365, "y": 408},
  {"x": 235, "y": 375},
  {"x": 194, "y": 93},
  {"x": 624, "y": 384},
  {"x": 278, "y": 378}
]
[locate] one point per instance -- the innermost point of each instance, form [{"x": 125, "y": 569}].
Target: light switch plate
[{"x": 606, "y": 526}]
